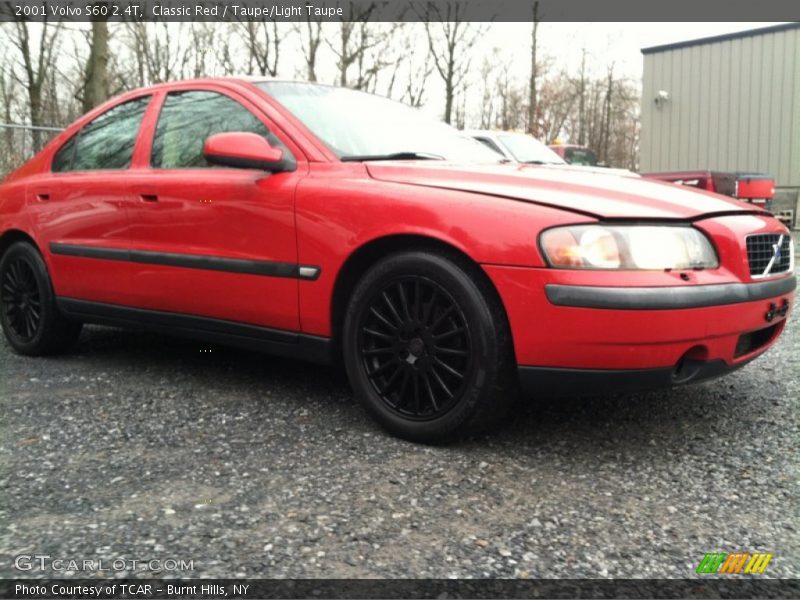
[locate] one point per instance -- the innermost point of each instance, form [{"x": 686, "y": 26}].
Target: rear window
[
  {"x": 580, "y": 156},
  {"x": 105, "y": 143}
]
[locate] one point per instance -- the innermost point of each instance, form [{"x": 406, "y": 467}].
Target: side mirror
[{"x": 243, "y": 150}]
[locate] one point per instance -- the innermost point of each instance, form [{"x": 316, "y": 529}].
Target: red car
[{"x": 324, "y": 224}]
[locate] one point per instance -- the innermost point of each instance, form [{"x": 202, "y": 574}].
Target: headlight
[{"x": 638, "y": 247}]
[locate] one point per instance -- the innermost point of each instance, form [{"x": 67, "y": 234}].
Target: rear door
[
  {"x": 213, "y": 241},
  {"x": 80, "y": 207}
]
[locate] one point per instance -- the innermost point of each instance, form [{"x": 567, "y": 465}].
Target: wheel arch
[
  {"x": 11, "y": 236},
  {"x": 368, "y": 254}
]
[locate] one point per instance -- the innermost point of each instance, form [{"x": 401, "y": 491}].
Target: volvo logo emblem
[{"x": 776, "y": 255}]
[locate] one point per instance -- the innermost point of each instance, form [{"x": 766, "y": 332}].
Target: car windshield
[
  {"x": 360, "y": 126},
  {"x": 527, "y": 149}
]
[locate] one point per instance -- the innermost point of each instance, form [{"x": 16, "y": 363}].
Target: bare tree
[
  {"x": 204, "y": 48},
  {"x": 449, "y": 41},
  {"x": 160, "y": 52},
  {"x": 37, "y": 61},
  {"x": 555, "y": 106},
  {"x": 607, "y": 104},
  {"x": 412, "y": 69},
  {"x": 311, "y": 37},
  {"x": 9, "y": 107},
  {"x": 532, "y": 113},
  {"x": 512, "y": 101},
  {"x": 362, "y": 46},
  {"x": 96, "y": 88},
  {"x": 263, "y": 42},
  {"x": 487, "y": 114},
  {"x": 582, "y": 101}
]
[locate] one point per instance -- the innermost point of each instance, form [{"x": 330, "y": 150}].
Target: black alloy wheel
[
  {"x": 28, "y": 313},
  {"x": 427, "y": 347},
  {"x": 416, "y": 347},
  {"x": 22, "y": 300}
]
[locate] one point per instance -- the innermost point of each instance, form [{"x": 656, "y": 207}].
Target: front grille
[{"x": 769, "y": 253}]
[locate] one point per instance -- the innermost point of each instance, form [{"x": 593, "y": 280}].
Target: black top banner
[{"x": 398, "y": 10}]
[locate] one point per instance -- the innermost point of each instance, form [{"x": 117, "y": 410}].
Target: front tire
[
  {"x": 427, "y": 347},
  {"x": 31, "y": 321}
]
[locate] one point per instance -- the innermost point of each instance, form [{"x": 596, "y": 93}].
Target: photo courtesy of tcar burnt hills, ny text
[{"x": 441, "y": 299}]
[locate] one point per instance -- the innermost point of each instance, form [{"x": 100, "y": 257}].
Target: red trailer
[{"x": 756, "y": 188}]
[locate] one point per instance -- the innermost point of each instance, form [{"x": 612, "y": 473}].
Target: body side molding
[{"x": 191, "y": 261}]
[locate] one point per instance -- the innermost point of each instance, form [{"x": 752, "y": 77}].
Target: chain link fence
[{"x": 19, "y": 143}]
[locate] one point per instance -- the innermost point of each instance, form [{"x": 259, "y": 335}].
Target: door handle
[
  {"x": 43, "y": 196},
  {"x": 149, "y": 197}
]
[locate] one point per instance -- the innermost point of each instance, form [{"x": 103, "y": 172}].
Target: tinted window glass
[
  {"x": 188, "y": 118},
  {"x": 62, "y": 161},
  {"x": 580, "y": 156},
  {"x": 105, "y": 143}
]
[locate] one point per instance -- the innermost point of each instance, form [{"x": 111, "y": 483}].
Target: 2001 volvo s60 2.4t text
[{"x": 323, "y": 223}]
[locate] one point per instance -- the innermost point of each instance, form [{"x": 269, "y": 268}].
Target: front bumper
[{"x": 570, "y": 333}]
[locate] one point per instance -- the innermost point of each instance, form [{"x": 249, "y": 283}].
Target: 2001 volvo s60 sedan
[{"x": 323, "y": 223}]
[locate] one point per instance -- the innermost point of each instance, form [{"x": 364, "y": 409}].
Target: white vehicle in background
[
  {"x": 517, "y": 147},
  {"x": 525, "y": 149}
]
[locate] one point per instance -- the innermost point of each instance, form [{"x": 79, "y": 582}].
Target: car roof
[
  {"x": 494, "y": 133},
  {"x": 233, "y": 79}
]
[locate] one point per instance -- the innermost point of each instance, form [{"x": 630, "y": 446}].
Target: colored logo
[{"x": 738, "y": 563}]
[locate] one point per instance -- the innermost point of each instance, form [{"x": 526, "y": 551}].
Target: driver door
[{"x": 213, "y": 241}]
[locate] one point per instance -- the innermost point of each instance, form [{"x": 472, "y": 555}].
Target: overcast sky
[
  {"x": 560, "y": 45},
  {"x": 604, "y": 42}
]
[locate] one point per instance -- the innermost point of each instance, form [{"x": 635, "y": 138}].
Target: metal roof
[{"x": 722, "y": 38}]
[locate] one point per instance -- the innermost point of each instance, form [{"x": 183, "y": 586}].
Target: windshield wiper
[{"x": 392, "y": 156}]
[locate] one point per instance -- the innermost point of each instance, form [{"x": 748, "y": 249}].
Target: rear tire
[
  {"x": 427, "y": 347},
  {"x": 30, "y": 318}
]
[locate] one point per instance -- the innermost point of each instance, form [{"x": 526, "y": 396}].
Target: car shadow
[{"x": 663, "y": 417}]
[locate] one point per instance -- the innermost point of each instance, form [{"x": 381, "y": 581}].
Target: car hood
[{"x": 602, "y": 195}]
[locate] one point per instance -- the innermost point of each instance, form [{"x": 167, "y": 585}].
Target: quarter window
[
  {"x": 107, "y": 142},
  {"x": 188, "y": 118}
]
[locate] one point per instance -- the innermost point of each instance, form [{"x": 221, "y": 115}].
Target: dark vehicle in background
[{"x": 576, "y": 155}]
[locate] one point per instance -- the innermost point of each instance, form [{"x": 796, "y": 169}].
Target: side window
[
  {"x": 105, "y": 143},
  {"x": 62, "y": 161},
  {"x": 188, "y": 118}
]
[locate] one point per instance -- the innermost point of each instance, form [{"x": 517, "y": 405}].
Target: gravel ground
[{"x": 138, "y": 446}]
